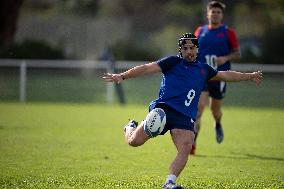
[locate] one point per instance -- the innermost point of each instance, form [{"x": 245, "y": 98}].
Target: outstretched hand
[
  {"x": 116, "y": 78},
  {"x": 256, "y": 77}
]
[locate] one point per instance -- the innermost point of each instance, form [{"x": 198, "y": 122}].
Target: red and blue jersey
[
  {"x": 215, "y": 42},
  {"x": 182, "y": 84}
]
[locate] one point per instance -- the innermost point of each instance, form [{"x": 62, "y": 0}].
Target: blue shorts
[
  {"x": 216, "y": 89},
  {"x": 175, "y": 119}
]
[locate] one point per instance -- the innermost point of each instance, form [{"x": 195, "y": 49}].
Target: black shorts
[
  {"x": 216, "y": 89},
  {"x": 175, "y": 119}
]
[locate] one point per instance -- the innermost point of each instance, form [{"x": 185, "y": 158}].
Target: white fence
[{"x": 85, "y": 64}]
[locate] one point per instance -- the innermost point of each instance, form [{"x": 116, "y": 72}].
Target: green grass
[{"x": 82, "y": 146}]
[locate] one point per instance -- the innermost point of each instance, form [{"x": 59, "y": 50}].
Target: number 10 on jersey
[{"x": 211, "y": 61}]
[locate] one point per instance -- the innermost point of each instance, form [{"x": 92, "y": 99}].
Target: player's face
[
  {"x": 215, "y": 15},
  {"x": 189, "y": 52}
]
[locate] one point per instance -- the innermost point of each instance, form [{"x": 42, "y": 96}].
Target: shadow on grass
[{"x": 245, "y": 156}]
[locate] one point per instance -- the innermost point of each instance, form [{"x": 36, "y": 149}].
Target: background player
[{"x": 218, "y": 45}]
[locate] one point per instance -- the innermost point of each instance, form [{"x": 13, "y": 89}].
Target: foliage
[
  {"x": 32, "y": 49},
  {"x": 9, "y": 13},
  {"x": 272, "y": 45},
  {"x": 153, "y": 17},
  {"x": 167, "y": 39},
  {"x": 184, "y": 12},
  {"x": 273, "y": 34},
  {"x": 128, "y": 50},
  {"x": 81, "y": 7}
]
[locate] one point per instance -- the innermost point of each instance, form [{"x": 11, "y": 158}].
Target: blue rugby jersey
[
  {"x": 182, "y": 84},
  {"x": 215, "y": 42}
]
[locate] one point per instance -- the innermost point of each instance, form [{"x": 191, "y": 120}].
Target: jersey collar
[{"x": 211, "y": 28}]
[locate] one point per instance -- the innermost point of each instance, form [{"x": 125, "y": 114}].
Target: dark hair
[
  {"x": 216, "y": 4},
  {"x": 187, "y": 36}
]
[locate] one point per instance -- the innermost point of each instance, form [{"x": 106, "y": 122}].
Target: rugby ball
[{"x": 155, "y": 122}]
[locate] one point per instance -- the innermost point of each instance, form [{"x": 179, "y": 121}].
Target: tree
[{"x": 9, "y": 13}]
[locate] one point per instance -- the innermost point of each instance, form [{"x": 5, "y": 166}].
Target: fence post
[
  {"x": 111, "y": 68},
  {"x": 118, "y": 87},
  {"x": 23, "y": 81},
  {"x": 106, "y": 55}
]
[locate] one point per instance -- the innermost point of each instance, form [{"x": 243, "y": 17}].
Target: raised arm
[
  {"x": 133, "y": 72},
  {"x": 233, "y": 76}
]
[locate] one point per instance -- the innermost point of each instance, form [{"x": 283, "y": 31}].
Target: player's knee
[
  {"x": 188, "y": 150},
  {"x": 185, "y": 148},
  {"x": 216, "y": 113},
  {"x": 134, "y": 142}
]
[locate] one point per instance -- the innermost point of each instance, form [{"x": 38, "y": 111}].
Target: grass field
[{"x": 82, "y": 146}]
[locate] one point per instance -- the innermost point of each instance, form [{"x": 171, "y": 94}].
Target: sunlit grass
[{"x": 82, "y": 146}]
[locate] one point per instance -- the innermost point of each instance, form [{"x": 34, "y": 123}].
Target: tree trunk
[{"x": 9, "y": 13}]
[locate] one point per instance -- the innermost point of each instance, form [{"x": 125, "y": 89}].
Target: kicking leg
[{"x": 135, "y": 136}]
